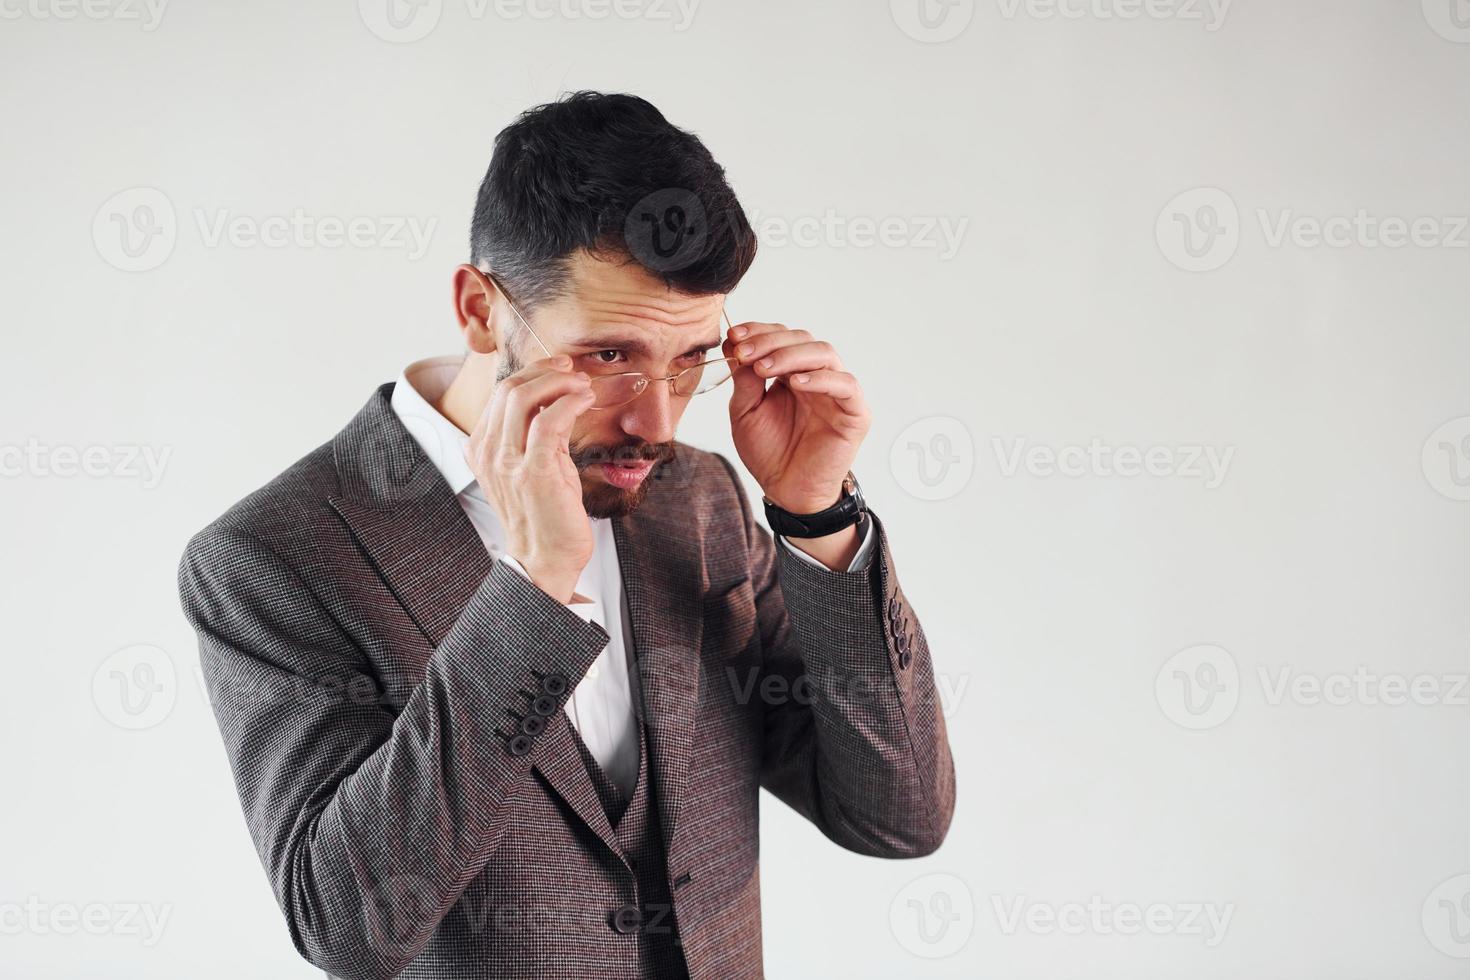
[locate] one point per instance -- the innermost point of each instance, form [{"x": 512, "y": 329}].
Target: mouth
[{"x": 626, "y": 476}]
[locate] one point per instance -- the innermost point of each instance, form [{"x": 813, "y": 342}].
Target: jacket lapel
[{"x": 407, "y": 519}]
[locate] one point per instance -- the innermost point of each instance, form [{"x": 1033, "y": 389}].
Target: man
[{"x": 502, "y": 668}]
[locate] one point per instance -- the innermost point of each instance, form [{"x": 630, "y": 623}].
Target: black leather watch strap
[{"x": 848, "y": 510}]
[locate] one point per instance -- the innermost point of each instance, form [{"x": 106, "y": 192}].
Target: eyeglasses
[{"x": 614, "y": 390}]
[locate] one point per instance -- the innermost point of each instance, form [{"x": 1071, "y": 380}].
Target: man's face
[{"x": 616, "y": 317}]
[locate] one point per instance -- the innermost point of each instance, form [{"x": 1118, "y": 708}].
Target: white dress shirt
[{"x": 601, "y": 705}]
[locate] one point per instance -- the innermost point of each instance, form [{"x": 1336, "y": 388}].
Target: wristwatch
[{"x": 848, "y": 510}]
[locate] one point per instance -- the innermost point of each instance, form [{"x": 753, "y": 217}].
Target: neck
[{"x": 464, "y": 401}]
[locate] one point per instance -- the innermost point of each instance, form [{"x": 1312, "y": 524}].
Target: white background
[{"x": 1335, "y": 541}]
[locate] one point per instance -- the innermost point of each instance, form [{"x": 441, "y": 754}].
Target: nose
[{"x": 652, "y": 415}]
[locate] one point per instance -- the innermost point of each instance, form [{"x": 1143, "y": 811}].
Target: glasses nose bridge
[{"x": 646, "y": 381}]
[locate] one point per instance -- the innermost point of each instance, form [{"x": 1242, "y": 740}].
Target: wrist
[
  {"x": 836, "y": 550},
  {"x": 558, "y": 583},
  {"x": 807, "y": 503}
]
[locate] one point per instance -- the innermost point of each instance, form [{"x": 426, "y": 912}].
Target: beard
[
  {"x": 605, "y": 500},
  {"x": 599, "y": 498}
]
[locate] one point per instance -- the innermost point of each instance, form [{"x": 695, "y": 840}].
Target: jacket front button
[{"x": 627, "y": 919}]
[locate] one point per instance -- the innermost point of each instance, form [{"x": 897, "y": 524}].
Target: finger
[
  {"x": 757, "y": 345},
  {"x": 840, "y": 386},
  {"x": 813, "y": 355},
  {"x": 548, "y": 434},
  {"x": 526, "y": 400},
  {"x": 491, "y": 418},
  {"x": 753, "y": 328}
]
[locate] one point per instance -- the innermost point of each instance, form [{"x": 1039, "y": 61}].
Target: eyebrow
[{"x": 630, "y": 345}]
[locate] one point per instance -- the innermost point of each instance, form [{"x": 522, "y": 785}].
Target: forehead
[{"x": 618, "y": 291}]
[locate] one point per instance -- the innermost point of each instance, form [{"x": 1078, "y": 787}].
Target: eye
[{"x": 598, "y": 356}]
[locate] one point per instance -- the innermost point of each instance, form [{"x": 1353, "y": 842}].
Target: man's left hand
[{"x": 800, "y": 436}]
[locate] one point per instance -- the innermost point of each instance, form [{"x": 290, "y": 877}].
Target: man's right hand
[{"x": 519, "y": 453}]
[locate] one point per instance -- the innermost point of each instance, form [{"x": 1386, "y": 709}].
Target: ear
[{"x": 478, "y": 310}]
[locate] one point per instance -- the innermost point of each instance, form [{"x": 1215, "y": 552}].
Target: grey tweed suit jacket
[{"x": 368, "y": 663}]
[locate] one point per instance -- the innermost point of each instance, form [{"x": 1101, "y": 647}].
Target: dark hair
[{"x": 609, "y": 174}]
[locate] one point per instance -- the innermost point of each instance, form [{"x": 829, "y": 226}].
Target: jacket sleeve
[
  {"x": 371, "y": 822},
  {"x": 854, "y": 739}
]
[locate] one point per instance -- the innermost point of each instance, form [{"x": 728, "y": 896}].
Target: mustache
[{"x": 659, "y": 452}]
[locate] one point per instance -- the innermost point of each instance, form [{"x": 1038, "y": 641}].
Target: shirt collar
[{"x": 420, "y": 385}]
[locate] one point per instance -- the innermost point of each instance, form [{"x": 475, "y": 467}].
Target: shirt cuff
[
  {"x": 579, "y": 603},
  {"x": 859, "y": 560}
]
